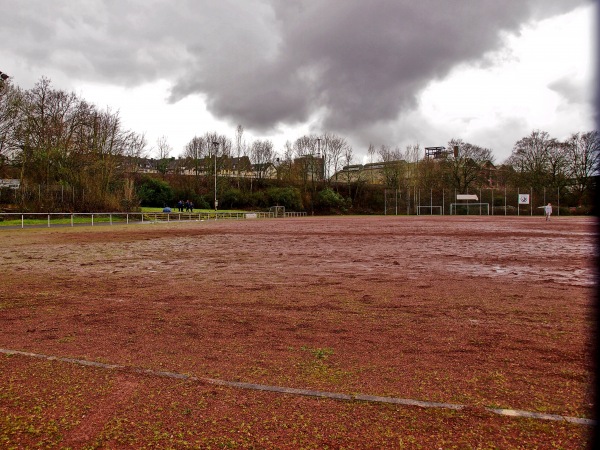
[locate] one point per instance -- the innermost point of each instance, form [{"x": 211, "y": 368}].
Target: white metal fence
[{"x": 22, "y": 220}]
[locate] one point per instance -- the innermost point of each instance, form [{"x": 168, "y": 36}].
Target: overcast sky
[{"x": 392, "y": 72}]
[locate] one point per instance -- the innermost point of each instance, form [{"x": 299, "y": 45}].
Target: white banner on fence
[
  {"x": 11, "y": 183},
  {"x": 523, "y": 199},
  {"x": 467, "y": 197}
]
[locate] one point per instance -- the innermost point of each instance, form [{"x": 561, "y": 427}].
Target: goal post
[
  {"x": 480, "y": 206},
  {"x": 430, "y": 209},
  {"x": 277, "y": 211}
]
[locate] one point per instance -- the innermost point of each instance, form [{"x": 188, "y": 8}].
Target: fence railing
[
  {"x": 489, "y": 201},
  {"x": 22, "y": 220}
]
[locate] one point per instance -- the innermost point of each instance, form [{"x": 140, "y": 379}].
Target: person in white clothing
[{"x": 548, "y": 211}]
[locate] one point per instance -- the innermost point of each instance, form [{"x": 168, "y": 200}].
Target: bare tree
[
  {"x": 134, "y": 150},
  {"x": 393, "y": 166},
  {"x": 557, "y": 160},
  {"x": 465, "y": 170},
  {"x": 285, "y": 169},
  {"x": 49, "y": 120},
  {"x": 222, "y": 151},
  {"x": 583, "y": 156},
  {"x": 262, "y": 156},
  {"x": 10, "y": 98},
  {"x": 412, "y": 156},
  {"x": 334, "y": 148},
  {"x": 239, "y": 143},
  {"x": 163, "y": 150},
  {"x": 195, "y": 149},
  {"x": 371, "y": 152},
  {"x": 195, "y": 153},
  {"x": 348, "y": 157},
  {"x": 63, "y": 141},
  {"x": 530, "y": 158},
  {"x": 308, "y": 165},
  {"x": 303, "y": 150}
]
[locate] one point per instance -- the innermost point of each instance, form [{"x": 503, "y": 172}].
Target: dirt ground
[{"x": 486, "y": 312}]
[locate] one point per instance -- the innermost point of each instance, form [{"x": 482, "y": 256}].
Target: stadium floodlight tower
[{"x": 216, "y": 147}]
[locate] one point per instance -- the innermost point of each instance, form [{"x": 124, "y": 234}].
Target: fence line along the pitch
[
  {"x": 122, "y": 218},
  {"x": 303, "y": 392}
]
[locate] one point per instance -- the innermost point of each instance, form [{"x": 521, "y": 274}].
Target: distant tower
[{"x": 435, "y": 152}]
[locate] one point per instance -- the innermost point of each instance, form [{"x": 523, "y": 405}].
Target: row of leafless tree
[
  {"x": 538, "y": 161},
  {"x": 52, "y": 137}
]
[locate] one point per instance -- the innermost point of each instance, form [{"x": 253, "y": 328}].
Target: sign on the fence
[
  {"x": 523, "y": 199},
  {"x": 467, "y": 197},
  {"x": 11, "y": 183}
]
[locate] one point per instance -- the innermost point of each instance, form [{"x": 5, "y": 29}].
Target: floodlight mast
[{"x": 216, "y": 147}]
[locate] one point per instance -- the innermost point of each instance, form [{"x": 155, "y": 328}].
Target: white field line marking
[{"x": 304, "y": 392}]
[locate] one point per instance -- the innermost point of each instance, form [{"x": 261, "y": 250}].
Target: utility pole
[{"x": 216, "y": 149}]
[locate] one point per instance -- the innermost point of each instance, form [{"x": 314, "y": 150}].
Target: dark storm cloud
[
  {"x": 360, "y": 62},
  {"x": 260, "y": 63}
]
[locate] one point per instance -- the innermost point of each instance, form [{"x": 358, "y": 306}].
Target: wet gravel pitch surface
[{"x": 479, "y": 311}]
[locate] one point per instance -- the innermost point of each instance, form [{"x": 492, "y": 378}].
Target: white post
[
  {"x": 384, "y": 201},
  {"x": 216, "y": 149},
  {"x": 431, "y": 202},
  {"x": 443, "y": 201}
]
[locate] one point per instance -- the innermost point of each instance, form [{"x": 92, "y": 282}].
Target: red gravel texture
[{"x": 480, "y": 311}]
